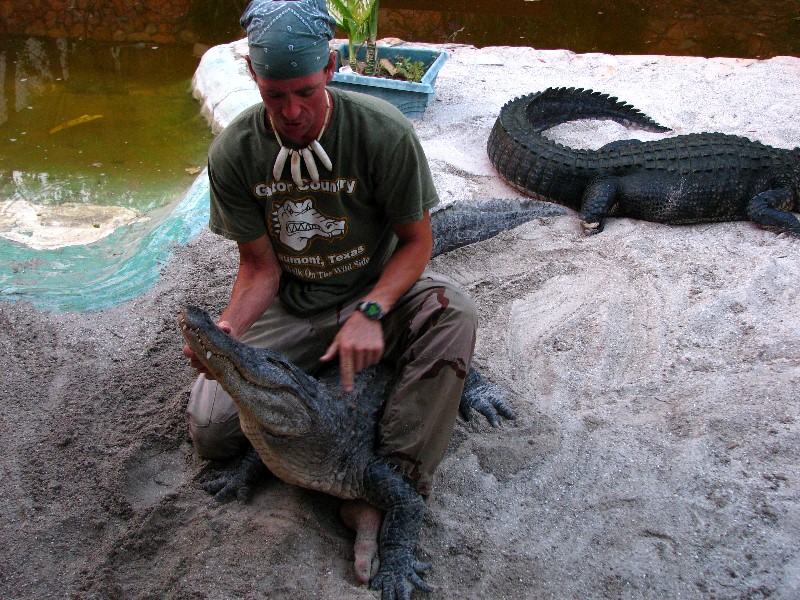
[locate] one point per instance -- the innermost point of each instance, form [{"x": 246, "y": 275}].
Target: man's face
[{"x": 297, "y": 106}]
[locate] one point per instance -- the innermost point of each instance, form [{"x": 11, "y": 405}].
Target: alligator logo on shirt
[{"x": 297, "y": 223}]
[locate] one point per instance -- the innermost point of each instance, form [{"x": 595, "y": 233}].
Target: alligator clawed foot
[
  {"x": 399, "y": 575},
  {"x": 237, "y": 483},
  {"x": 591, "y": 228},
  {"x": 484, "y": 397}
]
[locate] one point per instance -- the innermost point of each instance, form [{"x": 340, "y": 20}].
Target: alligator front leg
[
  {"x": 399, "y": 571},
  {"x": 599, "y": 198},
  {"x": 485, "y": 398},
  {"x": 238, "y": 482},
  {"x": 768, "y": 209}
]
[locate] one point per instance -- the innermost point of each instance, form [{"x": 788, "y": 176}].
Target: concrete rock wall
[{"x": 157, "y": 21}]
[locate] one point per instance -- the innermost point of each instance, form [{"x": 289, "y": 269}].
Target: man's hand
[
  {"x": 195, "y": 362},
  {"x": 358, "y": 344}
]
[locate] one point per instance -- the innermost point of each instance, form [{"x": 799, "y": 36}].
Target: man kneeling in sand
[{"x": 333, "y": 257}]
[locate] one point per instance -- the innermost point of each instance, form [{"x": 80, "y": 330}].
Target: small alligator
[
  {"x": 308, "y": 433},
  {"x": 694, "y": 178}
]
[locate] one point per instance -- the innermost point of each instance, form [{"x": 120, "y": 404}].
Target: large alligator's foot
[
  {"x": 365, "y": 520},
  {"x": 399, "y": 574},
  {"x": 238, "y": 482},
  {"x": 599, "y": 198},
  {"x": 591, "y": 228},
  {"x": 484, "y": 397},
  {"x": 768, "y": 209}
]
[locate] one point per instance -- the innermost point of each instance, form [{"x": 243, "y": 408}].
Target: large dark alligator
[
  {"x": 308, "y": 433},
  {"x": 692, "y": 178}
]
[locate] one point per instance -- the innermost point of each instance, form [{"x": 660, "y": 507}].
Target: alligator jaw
[{"x": 259, "y": 381}]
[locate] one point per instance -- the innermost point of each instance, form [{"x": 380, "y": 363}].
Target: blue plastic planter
[{"x": 411, "y": 98}]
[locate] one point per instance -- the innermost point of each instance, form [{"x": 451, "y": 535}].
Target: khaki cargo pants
[{"x": 429, "y": 337}]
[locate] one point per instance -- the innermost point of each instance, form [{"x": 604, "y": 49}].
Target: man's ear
[
  {"x": 250, "y": 67},
  {"x": 330, "y": 68}
]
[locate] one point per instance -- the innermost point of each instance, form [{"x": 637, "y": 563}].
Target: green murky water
[
  {"x": 95, "y": 125},
  {"x": 140, "y": 133}
]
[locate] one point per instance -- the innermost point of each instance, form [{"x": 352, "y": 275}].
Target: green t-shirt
[{"x": 332, "y": 237}]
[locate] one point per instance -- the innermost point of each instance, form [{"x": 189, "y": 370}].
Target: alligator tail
[
  {"x": 460, "y": 224},
  {"x": 540, "y": 167},
  {"x": 554, "y": 106}
]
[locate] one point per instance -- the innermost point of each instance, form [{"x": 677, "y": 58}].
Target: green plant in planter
[
  {"x": 359, "y": 19},
  {"x": 411, "y": 70},
  {"x": 403, "y": 68}
]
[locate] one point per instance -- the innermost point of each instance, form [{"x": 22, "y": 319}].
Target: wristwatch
[{"x": 371, "y": 310}]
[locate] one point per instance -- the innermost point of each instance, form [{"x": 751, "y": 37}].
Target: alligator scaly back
[{"x": 694, "y": 178}]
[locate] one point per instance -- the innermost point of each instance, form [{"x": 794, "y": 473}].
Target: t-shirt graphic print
[{"x": 296, "y": 224}]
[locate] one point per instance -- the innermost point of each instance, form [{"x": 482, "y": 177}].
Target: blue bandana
[{"x": 287, "y": 38}]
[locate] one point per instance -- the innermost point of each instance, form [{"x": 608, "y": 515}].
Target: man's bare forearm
[
  {"x": 406, "y": 264},
  {"x": 255, "y": 287}
]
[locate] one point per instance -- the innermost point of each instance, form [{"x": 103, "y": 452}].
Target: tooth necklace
[{"x": 308, "y": 157}]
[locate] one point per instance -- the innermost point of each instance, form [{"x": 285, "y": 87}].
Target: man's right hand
[
  {"x": 195, "y": 361},
  {"x": 358, "y": 345}
]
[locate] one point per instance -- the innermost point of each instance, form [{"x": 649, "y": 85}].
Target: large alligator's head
[{"x": 276, "y": 393}]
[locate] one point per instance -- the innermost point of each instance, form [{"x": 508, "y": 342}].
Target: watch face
[{"x": 372, "y": 310}]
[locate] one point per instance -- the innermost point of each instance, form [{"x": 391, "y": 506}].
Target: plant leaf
[
  {"x": 353, "y": 16},
  {"x": 356, "y": 11}
]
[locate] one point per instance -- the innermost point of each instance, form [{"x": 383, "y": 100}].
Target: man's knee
[
  {"x": 218, "y": 441},
  {"x": 463, "y": 306},
  {"x": 213, "y": 421},
  {"x": 458, "y": 319}
]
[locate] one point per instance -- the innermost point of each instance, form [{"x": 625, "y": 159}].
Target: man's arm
[
  {"x": 359, "y": 342},
  {"x": 255, "y": 286},
  {"x": 254, "y": 289}
]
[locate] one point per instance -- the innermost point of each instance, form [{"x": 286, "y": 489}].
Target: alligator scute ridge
[{"x": 692, "y": 178}]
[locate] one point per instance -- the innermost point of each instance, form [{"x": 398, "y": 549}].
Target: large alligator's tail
[
  {"x": 540, "y": 167},
  {"x": 554, "y": 106}
]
